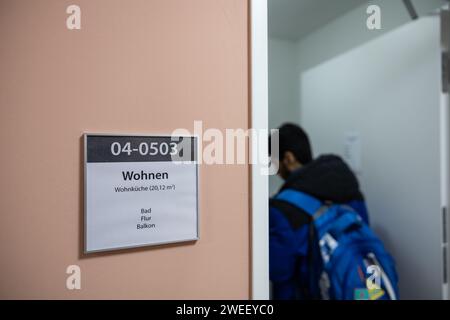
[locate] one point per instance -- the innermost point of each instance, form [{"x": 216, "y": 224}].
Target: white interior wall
[
  {"x": 283, "y": 81},
  {"x": 283, "y": 88},
  {"x": 350, "y": 30},
  {"x": 395, "y": 111}
]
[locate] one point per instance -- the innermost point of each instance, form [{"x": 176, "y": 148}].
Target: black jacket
[{"x": 326, "y": 178}]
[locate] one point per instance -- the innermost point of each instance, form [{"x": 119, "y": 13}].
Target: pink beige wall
[{"x": 145, "y": 66}]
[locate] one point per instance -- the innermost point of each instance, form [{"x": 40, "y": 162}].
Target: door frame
[
  {"x": 259, "y": 115},
  {"x": 258, "y": 42},
  {"x": 445, "y": 144}
]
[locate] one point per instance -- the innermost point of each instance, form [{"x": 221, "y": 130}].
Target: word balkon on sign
[{"x": 140, "y": 190}]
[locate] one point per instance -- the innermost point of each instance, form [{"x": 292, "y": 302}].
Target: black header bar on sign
[{"x": 121, "y": 148}]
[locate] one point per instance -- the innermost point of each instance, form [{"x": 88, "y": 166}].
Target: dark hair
[{"x": 293, "y": 138}]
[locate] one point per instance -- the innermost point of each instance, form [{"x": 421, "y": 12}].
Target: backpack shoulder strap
[
  {"x": 295, "y": 216},
  {"x": 313, "y": 208},
  {"x": 301, "y": 200}
]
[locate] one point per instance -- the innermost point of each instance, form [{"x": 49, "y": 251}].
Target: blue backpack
[{"x": 347, "y": 261}]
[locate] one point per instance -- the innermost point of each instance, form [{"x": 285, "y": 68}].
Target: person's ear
[{"x": 289, "y": 159}]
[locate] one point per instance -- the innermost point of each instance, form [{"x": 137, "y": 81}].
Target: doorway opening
[{"x": 375, "y": 93}]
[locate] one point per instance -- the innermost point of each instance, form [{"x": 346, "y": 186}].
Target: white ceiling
[{"x": 293, "y": 19}]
